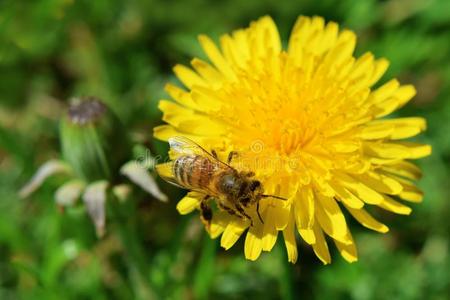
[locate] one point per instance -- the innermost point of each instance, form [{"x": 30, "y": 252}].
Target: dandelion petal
[
  {"x": 232, "y": 233},
  {"x": 253, "y": 243},
  {"x": 363, "y": 217},
  {"x": 348, "y": 251},
  {"x": 289, "y": 241},
  {"x": 187, "y": 205}
]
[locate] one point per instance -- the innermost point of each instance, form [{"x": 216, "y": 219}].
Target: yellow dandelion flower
[{"x": 309, "y": 123}]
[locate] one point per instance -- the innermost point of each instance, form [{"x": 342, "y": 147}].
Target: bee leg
[
  {"x": 242, "y": 212},
  {"x": 257, "y": 211},
  {"x": 229, "y": 210},
  {"x": 231, "y": 155},
  {"x": 206, "y": 211},
  {"x": 214, "y": 153}
]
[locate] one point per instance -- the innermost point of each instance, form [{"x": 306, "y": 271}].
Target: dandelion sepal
[
  {"x": 94, "y": 198},
  {"x": 139, "y": 175},
  {"x": 48, "y": 169},
  {"x": 69, "y": 192}
]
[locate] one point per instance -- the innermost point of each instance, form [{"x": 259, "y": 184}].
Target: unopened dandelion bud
[{"x": 93, "y": 140}]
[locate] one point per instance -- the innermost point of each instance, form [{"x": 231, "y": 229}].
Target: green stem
[{"x": 137, "y": 263}]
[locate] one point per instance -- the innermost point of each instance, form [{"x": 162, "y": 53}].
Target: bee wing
[
  {"x": 165, "y": 170},
  {"x": 180, "y": 145}
]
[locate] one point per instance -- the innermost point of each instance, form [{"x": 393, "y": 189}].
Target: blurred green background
[{"x": 122, "y": 52}]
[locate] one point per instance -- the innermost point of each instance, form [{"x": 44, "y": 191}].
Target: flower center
[
  {"x": 284, "y": 107},
  {"x": 294, "y": 136}
]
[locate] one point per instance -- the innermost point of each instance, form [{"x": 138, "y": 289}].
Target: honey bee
[{"x": 198, "y": 170}]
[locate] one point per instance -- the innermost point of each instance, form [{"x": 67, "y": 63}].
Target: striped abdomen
[{"x": 194, "y": 171}]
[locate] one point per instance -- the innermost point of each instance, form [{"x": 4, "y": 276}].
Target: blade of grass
[
  {"x": 287, "y": 291},
  {"x": 204, "y": 274},
  {"x": 135, "y": 257}
]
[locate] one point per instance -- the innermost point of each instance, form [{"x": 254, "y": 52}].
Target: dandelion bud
[{"x": 93, "y": 140}]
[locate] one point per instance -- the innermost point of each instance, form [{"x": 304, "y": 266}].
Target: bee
[{"x": 198, "y": 170}]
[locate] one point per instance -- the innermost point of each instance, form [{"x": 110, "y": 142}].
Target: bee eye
[{"x": 254, "y": 185}]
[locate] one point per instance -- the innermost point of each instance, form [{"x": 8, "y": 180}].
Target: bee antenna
[
  {"x": 273, "y": 196},
  {"x": 257, "y": 211}
]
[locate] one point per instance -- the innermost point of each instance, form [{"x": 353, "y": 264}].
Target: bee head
[
  {"x": 254, "y": 190},
  {"x": 255, "y": 186},
  {"x": 249, "y": 192}
]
